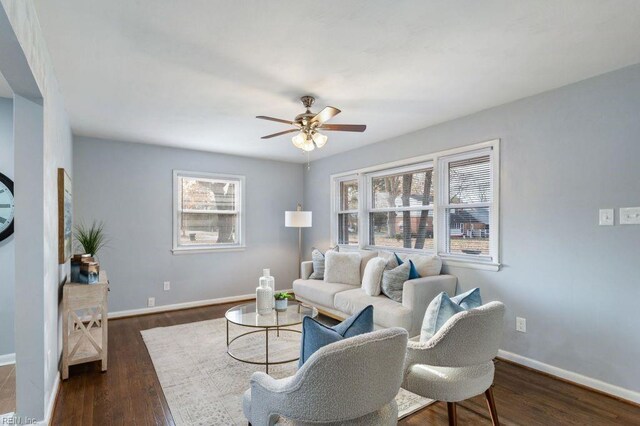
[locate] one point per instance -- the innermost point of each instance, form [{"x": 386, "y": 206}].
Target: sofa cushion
[
  {"x": 342, "y": 268},
  {"x": 426, "y": 265},
  {"x": 318, "y": 292},
  {"x": 386, "y": 313},
  {"x": 393, "y": 281},
  {"x": 315, "y": 335},
  {"x": 318, "y": 259},
  {"x": 372, "y": 276}
]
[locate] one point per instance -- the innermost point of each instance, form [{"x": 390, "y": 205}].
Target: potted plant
[
  {"x": 282, "y": 300},
  {"x": 91, "y": 238}
]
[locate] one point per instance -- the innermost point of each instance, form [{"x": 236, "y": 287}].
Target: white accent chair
[
  {"x": 351, "y": 382},
  {"x": 457, "y": 362}
]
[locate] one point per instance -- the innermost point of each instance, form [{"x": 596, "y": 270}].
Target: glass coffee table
[{"x": 276, "y": 322}]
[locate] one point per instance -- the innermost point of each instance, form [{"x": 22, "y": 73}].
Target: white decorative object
[{"x": 264, "y": 293}]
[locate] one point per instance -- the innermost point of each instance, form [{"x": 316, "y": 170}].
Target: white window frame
[
  {"x": 371, "y": 209},
  {"x": 239, "y": 202},
  {"x": 335, "y": 208},
  {"x": 438, "y": 160},
  {"x": 444, "y": 204}
]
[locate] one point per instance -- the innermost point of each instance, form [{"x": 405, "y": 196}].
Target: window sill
[
  {"x": 470, "y": 264},
  {"x": 199, "y": 250}
]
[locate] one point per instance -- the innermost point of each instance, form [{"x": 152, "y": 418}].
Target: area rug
[{"x": 203, "y": 385}]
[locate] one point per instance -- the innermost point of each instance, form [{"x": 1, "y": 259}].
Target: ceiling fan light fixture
[
  {"x": 308, "y": 145},
  {"x": 299, "y": 140},
  {"x": 319, "y": 139}
]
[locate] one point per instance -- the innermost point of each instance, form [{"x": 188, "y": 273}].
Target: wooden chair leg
[
  {"x": 453, "y": 418},
  {"x": 491, "y": 403}
]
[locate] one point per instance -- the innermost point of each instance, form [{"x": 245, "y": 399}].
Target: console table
[{"x": 84, "y": 323}]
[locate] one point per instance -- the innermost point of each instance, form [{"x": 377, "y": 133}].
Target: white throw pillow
[
  {"x": 342, "y": 268},
  {"x": 373, "y": 276},
  {"x": 427, "y": 266},
  {"x": 366, "y": 256}
]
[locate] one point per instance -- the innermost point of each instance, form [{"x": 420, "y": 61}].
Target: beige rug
[{"x": 203, "y": 385}]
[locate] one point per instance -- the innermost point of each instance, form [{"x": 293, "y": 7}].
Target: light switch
[
  {"x": 630, "y": 215},
  {"x": 606, "y": 217}
]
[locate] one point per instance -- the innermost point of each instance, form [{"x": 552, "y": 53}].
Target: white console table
[{"x": 84, "y": 323}]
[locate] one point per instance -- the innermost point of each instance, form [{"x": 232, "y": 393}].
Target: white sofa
[{"x": 342, "y": 300}]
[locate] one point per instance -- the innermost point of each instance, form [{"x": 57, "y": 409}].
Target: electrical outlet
[
  {"x": 151, "y": 302},
  {"x": 521, "y": 324},
  {"x": 167, "y": 285}
]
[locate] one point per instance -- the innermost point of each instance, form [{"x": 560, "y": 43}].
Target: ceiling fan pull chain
[{"x": 308, "y": 163}]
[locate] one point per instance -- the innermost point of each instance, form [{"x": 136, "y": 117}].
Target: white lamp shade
[{"x": 297, "y": 219}]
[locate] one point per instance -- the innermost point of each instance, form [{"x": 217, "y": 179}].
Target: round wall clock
[{"x": 6, "y": 207}]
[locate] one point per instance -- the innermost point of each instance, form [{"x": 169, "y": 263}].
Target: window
[
  {"x": 466, "y": 204},
  {"x": 400, "y": 211},
  {"x": 207, "y": 211},
  {"x": 443, "y": 203},
  {"x": 347, "y": 211}
]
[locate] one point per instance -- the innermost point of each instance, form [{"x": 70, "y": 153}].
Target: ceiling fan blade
[
  {"x": 325, "y": 114},
  {"x": 279, "y": 120},
  {"x": 280, "y": 133},
  {"x": 344, "y": 127}
]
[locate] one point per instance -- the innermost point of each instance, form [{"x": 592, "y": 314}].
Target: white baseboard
[
  {"x": 51, "y": 404},
  {"x": 7, "y": 359},
  {"x": 185, "y": 305},
  {"x": 589, "y": 382}
]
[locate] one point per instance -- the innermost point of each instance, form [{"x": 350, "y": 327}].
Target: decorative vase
[
  {"x": 281, "y": 305},
  {"x": 264, "y": 294},
  {"x": 270, "y": 282}
]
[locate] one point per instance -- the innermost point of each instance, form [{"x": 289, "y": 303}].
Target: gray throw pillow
[
  {"x": 317, "y": 257},
  {"x": 393, "y": 281}
]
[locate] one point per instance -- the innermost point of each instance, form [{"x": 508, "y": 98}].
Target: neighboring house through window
[
  {"x": 444, "y": 203},
  {"x": 208, "y": 211}
]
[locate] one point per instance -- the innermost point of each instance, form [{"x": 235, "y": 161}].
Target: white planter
[{"x": 281, "y": 305}]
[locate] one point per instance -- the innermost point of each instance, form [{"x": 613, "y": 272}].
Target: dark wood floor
[{"x": 130, "y": 394}]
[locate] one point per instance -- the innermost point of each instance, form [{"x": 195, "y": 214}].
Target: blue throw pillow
[
  {"x": 438, "y": 312},
  {"x": 469, "y": 300},
  {"x": 316, "y": 335},
  {"x": 413, "y": 272},
  {"x": 442, "y": 307}
]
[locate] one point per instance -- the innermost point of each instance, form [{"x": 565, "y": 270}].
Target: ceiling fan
[{"x": 309, "y": 124}]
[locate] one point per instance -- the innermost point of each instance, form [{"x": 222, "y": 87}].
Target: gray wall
[
  {"x": 129, "y": 187},
  {"x": 7, "y": 247},
  {"x": 44, "y": 135},
  {"x": 564, "y": 154}
]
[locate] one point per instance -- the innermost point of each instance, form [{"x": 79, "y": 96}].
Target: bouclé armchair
[
  {"x": 351, "y": 382},
  {"x": 457, "y": 362}
]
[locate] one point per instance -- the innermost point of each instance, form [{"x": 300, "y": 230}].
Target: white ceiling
[
  {"x": 194, "y": 74},
  {"x": 5, "y": 89}
]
